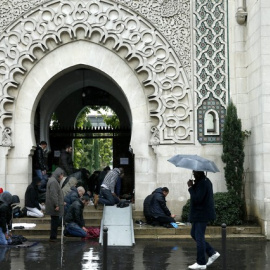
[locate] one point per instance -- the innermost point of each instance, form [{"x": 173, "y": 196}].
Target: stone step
[{"x": 93, "y": 218}]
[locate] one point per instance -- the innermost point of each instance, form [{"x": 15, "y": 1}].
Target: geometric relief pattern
[
  {"x": 165, "y": 73},
  {"x": 170, "y": 17},
  {"x": 211, "y": 103},
  {"x": 211, "y": 75}
]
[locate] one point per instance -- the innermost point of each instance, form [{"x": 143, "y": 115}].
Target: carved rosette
[{"x": 166, "y": 75}]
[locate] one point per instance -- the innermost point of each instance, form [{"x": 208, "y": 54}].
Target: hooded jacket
[
  {"x": 158, "y": 204},
  {"x": 31, "y": 194},
  {"x": 5, "y": 211},
  {"x": 54, "y": 195}
]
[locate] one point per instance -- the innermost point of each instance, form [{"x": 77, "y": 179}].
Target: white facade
[{"x": 152, "y": 57}]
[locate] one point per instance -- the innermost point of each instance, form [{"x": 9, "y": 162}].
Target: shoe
[
  {"x": 197, "y": 266},
  {"x": 53, "y": 240},
  {"x": 212, "y": 258},
  {"x": 96, "y": 198}
]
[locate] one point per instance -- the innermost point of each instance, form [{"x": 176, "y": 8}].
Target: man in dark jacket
[
  {"x": 147, "y": 208},
  {"x": 72, "y": 196},
  {"x": 5, "y": 218},
  {"x": 75, "y": 225},
  {"x": 66, "y": 162},
  {"x": 38, "y": 160},
  {"x": 31, "y": 199},
  {"x": 160, "y": 212},
  {"x": 202, "y": 210}
]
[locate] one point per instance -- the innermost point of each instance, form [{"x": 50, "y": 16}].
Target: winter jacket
[
  {"x": 39, "y": 163},
  {"x": 54, "y": 195},
  {"x": 66, "y": 163},
  {"x": 31, "y": 194},
  {"x": 5, "y": 211},
  {"x": 202, "y": 208},
  {"x": 71, "y": 197},
  {"x": 72, "y": 182},
  {"x": 158, "y": 204},
  {"x": 75, "y": 213}
]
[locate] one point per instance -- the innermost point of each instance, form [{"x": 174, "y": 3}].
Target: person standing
[
  {"x": 31, "y": 199},
  {"x": 39, "y": 162},
  {"x": 107, "y": 195},
  {"x": 202, "y": 210},
  {"x": 66, "y": 162},
  {"x": 55, "y": 201},
  {"x": 75, "y": 225}
]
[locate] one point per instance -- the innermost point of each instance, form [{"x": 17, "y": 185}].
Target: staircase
[{"x": 93, "y": 217}]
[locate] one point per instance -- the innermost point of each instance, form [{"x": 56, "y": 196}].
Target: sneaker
[
  {"x": 212, "y": 258},
  {"x": 197, "y": 266}
]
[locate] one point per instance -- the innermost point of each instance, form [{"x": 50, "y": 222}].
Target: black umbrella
[{"x": 194, "y": 162}]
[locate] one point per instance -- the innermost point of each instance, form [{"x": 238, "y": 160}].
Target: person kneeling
[
  {"x": 75, "y": 225},
  {"x": 34, "y": 208}
]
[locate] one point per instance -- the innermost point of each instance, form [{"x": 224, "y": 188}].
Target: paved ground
[{"x": 241, "y": 254}]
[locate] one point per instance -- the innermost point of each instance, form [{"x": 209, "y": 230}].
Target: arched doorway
[{"x": 74, "y": 90}]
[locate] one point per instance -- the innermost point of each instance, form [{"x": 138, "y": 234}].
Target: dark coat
[
  {"x": 54, "y": 195},
  {"x": 158, "y": 204},
  {"x": 31, "y": 194},
  {"x": 5, "y": 211},
  {"x": 75, "y": 213},
  {"x": 39, "y": 163},
  {"x": 71, "y": 197},
  {"x": 202, "y": 208},
  {"x": 147, "y": 208},
  {"x": 66, "y": 163}
]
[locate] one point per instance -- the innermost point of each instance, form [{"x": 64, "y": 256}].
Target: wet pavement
[{"x": 146, "y": 254}]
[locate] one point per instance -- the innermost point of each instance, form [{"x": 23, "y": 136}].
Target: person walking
[
  {"x": 55, "y": 201},
  {"x": 202, "y": 210}
]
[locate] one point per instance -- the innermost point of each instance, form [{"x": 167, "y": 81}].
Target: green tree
[
  {"x": 233, "y": 151},
  {"x": 94, "y": 154}
]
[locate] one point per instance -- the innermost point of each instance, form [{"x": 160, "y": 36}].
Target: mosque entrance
[{"x": 78, "y": 89}]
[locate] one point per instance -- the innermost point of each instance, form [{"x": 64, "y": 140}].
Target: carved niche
[{"x": 166, "y": 74}]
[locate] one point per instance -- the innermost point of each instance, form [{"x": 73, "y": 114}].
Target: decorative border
[
  {"x": 166, "y": 75},
  {"x": 211, "y": 76}
]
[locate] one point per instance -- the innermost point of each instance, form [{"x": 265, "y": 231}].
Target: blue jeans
[
  {"x": 75, "y": 230},
  {"x": 106, "y": 197},
  {"x": 3, "y": 240},
  {"x": 198, "y": 234}
]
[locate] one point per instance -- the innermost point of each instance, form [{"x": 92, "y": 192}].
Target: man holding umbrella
[{"x": 202, "y": 210}]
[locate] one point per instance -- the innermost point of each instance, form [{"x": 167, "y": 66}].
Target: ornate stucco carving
[
  {"x": 166, "y": 74},
  {"x": 170, "y": 17},
  {"x": 211, "y": 76}
]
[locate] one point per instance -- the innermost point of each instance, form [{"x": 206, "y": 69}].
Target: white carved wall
[{"x": 167, "y": 81}]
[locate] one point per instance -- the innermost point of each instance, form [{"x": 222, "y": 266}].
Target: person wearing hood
[
  {"x": 55, "y": 201},
  {"x": 5, "y": 218},
  {"x": 160, "y": 212},
  {"x": 74, "y": 221},
  {"x": 34, "y": 209}
]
